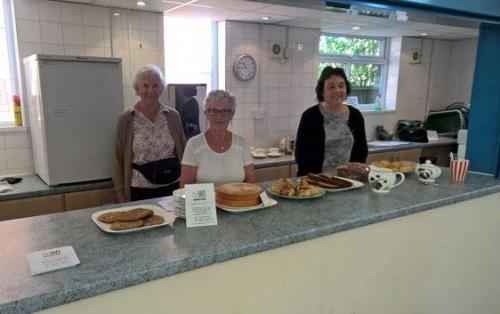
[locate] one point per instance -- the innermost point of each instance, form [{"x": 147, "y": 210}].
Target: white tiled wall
[
  {"x": 15, "y": 153},
  {"x": 452, "y": 72},
  {"x": 283, "y": 89},
  {"x": 63, "y": 28},
  {"x": 52, "y": 27},
  {"x": 444, "y": 76}
]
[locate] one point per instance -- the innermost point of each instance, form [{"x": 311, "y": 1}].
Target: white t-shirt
[{"x": 217, "y": 168}]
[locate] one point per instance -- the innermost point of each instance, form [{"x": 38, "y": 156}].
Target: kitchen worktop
[
  {"x": 33, "y": 186},
  {"x": 411, "y": 145},
  {"x": 110, "y": 261}
]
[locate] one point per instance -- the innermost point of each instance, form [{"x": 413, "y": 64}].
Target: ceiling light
[
  {"x": 116, "y": 14},
  {"x": 265, "y": 18},
  {"x": 141, "y": 3},
  {"x": 355, "y": 28},
  {"x": 424, "y": 34}
]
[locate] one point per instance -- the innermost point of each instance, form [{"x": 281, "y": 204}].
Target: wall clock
[{"x": 245, "y": 67}]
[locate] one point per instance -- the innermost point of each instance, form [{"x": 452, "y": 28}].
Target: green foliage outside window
[
  {"x": 363, "y": 75},
  {"x": 350, "y": 46}
]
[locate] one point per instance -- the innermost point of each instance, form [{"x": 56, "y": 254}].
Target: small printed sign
[
  {"x": 200, "y": 205},
  {"x": 265, "y": 199},
  {"x": 49, "y": 260}
]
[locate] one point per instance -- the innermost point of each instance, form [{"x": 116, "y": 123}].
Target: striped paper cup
[{"x": 459, "y": 169}]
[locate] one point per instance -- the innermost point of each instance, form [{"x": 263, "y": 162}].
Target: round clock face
[{"x": 245, "y": 67}]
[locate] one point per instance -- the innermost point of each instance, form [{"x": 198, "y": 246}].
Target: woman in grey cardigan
[{"x": 149, "y": 143}]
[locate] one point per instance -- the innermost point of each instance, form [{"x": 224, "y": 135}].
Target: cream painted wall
[{"x": 444, "y": 260}]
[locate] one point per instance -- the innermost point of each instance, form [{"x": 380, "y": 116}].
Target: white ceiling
[{"x": 341, "y": 23}]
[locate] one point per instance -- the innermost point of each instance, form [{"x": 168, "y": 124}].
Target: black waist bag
[{"x": 161, "y": 171}]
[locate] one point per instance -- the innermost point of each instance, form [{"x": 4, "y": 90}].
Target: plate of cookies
[{"x": 132, "y": 218}]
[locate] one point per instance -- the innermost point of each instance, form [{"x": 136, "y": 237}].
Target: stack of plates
[{"x": 180, "y": 203}]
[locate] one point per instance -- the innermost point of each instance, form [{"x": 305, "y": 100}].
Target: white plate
[
  {"x": 259, "y": 155},
  {"x": 321, "y": 193},
  {"x": 355, "y": 185},
  {"x": 246, "y": 209},
  {"x": 179, "y": 193},
  {"x": 274, "y": 154},
  {"x": 157, "y": 210}
]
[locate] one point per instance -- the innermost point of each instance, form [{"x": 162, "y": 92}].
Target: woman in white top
[{"x": 217, "y": 156}]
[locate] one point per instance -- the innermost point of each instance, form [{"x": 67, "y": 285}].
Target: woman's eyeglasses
[{"x": 222, "y": 112}]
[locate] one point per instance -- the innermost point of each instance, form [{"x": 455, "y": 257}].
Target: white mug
[
  {"x": 382, "y": 180},
  {"x": 274, "y": 150}
]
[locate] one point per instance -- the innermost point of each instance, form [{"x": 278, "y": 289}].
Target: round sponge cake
[{"x": 238, "y": 194}]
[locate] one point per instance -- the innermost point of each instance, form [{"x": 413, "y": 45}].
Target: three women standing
[
  {"x": 149, "y": 143},
  {"x": 330, "y": 133}
]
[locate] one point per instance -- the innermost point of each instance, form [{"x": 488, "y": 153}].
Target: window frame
[
  {"x": 382, "y": 60},
  {"x": 11, "y": 55}
]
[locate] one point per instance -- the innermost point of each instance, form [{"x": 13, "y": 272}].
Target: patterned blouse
[
  {"x": 338, "y": 140},
  {"x": 152, "y": 141}
]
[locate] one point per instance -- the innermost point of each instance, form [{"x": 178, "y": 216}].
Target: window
[
  {"x": 364, "y": 60},
  {"x": 189, "y": 52},
  {"x": 7, "y": 66}
]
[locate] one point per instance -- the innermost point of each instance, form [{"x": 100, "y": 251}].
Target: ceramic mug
[{"x": 382, "y": 180}]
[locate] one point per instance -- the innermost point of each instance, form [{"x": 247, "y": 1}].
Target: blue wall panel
[{"x": 483, "y": 144}]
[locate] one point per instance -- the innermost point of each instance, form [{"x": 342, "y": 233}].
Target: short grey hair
[
  {"x": 220, "y": 95},
  {"x": 147, "y": 70}
]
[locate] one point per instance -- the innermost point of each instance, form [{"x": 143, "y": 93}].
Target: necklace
[{"x": 221, "y": 146}]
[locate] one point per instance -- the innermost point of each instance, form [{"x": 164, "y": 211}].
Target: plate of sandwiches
[
  {"x": 332, "y": 183},
  {"x": 132, "y": 218},
  {"x": 295, "y": 189}
]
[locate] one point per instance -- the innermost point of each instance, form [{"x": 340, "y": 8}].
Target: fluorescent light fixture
[
  {"x": 141, "y": 3},
  {"x": 116, "y": 14},
  {"x": 355, "y": 28},
  {"x": 424, "y": 34},
  {"x": 265, "y": 18}
]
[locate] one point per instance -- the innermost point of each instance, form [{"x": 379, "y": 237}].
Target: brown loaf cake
[
  {"x": 354, "y": 170},
  {"x": 238, "y": 194}
]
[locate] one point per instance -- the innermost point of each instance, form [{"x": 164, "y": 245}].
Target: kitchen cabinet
[
  {"x": 33, "y": 206},
  {"x": 272, "y": 173},
  {"x": 86, "y": 199},
  {"x": 409, "y": 154}
]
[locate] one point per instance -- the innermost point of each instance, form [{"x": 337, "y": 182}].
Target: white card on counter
[
  {"x": 265, "y": 199},
  {"x": 48, "y": 260},
  {"x": 200, "y": 205}
]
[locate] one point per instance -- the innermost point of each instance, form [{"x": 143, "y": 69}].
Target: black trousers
[{"x": 137, "y": 194}]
